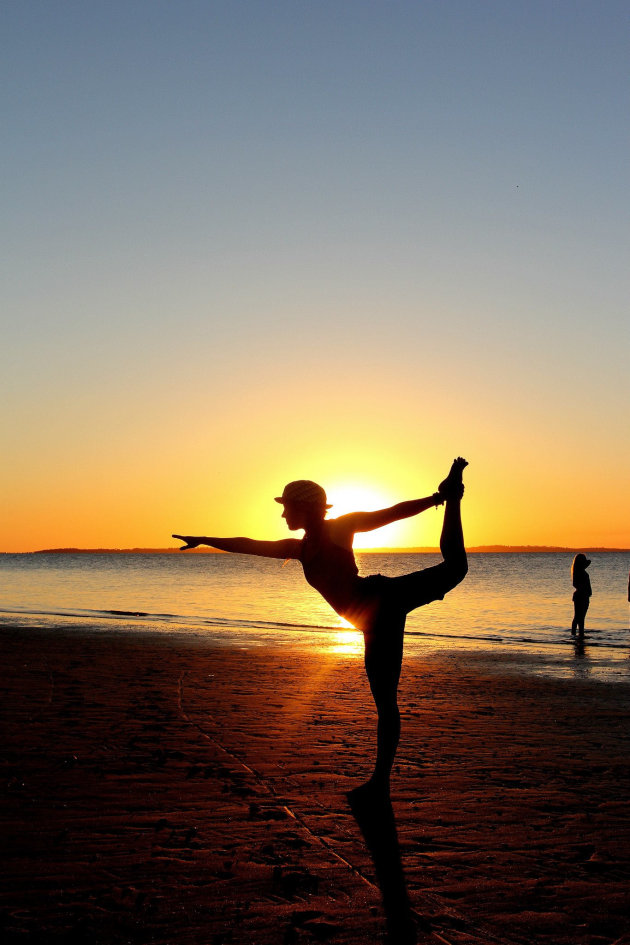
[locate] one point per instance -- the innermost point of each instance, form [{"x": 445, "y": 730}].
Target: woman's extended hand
[{"x": 191, "y": 541}]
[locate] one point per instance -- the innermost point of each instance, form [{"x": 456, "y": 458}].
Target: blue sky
[{"x": 230, "y": 225}]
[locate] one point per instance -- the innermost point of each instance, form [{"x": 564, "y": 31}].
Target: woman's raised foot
[{"x": 453, "y": 487}]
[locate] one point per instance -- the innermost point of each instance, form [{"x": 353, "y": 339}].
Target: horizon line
[{"x": 419, "y": 549}]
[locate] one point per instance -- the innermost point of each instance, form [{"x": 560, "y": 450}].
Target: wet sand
[{"x": 157, "y": 789}]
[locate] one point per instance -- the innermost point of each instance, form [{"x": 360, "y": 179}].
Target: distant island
[{"x": 476, "y": 549}]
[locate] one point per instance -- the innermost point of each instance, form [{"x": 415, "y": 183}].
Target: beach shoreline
[{"x": 159, "y": 788}]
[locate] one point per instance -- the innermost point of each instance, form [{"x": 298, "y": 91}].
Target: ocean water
[{"x": 513, "y": 602}]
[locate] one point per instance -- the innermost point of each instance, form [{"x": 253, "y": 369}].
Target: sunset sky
[{"x": 249, "y": 242}]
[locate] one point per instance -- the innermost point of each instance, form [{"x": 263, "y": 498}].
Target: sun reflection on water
[{"x": 347, "y": 642}]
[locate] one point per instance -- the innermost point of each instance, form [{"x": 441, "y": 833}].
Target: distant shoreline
[{"x": 476, "y": 549}]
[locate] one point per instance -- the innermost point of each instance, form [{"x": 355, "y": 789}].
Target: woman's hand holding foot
[{"x": 453, "y": 487}]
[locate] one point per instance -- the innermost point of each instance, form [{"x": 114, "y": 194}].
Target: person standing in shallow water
[
  {"x": 376, "y": 605},
  {"x": 582, "y": 593}
]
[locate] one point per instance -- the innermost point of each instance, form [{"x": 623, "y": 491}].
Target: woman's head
[
  {"x": 303, "y": 501},
  {"x": 580, "y": 563}
]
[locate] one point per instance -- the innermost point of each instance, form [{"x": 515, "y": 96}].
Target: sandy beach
[{"x": 160, "y": 790}]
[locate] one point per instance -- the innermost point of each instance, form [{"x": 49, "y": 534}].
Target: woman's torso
[
  {"x": 331, "y": 569},
  {"x": 582, "y": 585}
]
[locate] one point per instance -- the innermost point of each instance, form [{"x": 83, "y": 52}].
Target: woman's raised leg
[
  {"x": 452, "y": 537},
  {"x": 421, "y": 587}
]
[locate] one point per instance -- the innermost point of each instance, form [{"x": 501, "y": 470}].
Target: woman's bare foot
[{"x": 452, "y": 487}]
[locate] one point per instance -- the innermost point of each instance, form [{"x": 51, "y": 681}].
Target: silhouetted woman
[
  {"x": 376, "y": 605},
  {"x": 581, "y": 594}
]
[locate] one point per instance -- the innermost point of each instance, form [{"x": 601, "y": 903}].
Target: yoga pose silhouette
[{"x": 376, "y": 605}]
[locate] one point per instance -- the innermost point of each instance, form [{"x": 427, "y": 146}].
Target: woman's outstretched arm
[
  {"x": 367, "y": 521},
  {"x": 285, "y": 548}
]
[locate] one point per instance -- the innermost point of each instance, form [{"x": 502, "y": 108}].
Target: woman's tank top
[{"x": 332, "y": 571}]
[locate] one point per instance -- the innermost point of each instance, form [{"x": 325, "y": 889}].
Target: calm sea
[{"x": 519, "y": 603}]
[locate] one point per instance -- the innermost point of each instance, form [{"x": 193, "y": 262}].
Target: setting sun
[{"x": 346, "y": 498}]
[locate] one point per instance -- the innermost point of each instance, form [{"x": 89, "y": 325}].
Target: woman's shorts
[{"x": 379, "y": 596}]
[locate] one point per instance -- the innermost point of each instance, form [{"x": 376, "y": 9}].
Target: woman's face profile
[
  {"x": 302, "y": 514},
  {"x": 293, "y": 516}
]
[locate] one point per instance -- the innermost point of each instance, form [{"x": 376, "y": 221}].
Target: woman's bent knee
[{"x": 455, "y": 571}]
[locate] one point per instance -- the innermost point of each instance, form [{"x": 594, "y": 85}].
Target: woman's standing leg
[
  {"x": 383, "y": 661},
  {"x": 581, "y": 606},
  {"x": 576, "y": 614},
  {"x": 587, "y": 604}
]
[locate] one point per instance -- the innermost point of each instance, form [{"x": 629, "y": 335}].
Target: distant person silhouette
[
  {"x": 376, "y": 605},
  {"x": 581, "y": 594}
]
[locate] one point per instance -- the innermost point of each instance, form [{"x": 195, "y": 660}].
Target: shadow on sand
[{"x": 374, "y": 815}]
